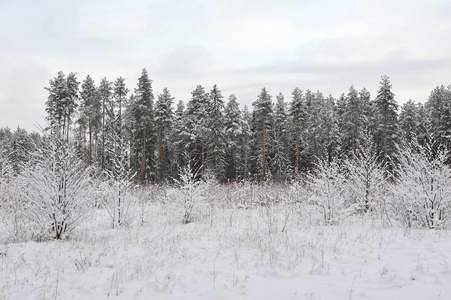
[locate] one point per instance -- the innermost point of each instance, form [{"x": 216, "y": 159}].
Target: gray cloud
[{"x": 241, "y": 45}]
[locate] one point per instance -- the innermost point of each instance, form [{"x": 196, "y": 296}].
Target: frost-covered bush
[
  {"x": 12, "y": 209},
  {"x": 188, "y": 194},
  {"x": 422, "y": 191},
  {"x": 365, "y": 183},
  {"x": 118, "y": 190},
  {"x": 59, "y": 188},
  {"x": 326, "y": 186}
]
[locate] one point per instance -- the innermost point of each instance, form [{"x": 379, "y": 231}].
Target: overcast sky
[{"x": 240, "y": 45}]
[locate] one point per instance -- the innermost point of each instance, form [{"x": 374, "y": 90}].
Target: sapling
[
  {"x": 326, "y": 191},
  {"x": 189, "y": 192},
  {"x": 59, "y": 187},
  {"x": 422, "y": 189}
]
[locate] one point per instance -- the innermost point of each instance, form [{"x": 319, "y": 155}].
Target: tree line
[
  {"x": 103, "y": 145},
  {"x": 278, "y": 140}
]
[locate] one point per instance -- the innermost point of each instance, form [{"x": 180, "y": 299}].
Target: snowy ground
[{"x": 258, "y": 253}]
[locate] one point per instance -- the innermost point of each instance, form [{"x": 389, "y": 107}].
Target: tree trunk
[
  {"x": 90, "y": 143},
  {"x": 120, "y": 125},
  {"x": 68, "y": 126},
  {"x": 263, "y": 147},
  {"x": 103, "y": 134},
  {"x": 329, "y": 147},
  {"x": 136, "y": 149},
  {"x": 161, "y": 154},
  {"x": 143, "y": 163},
  {"x": 385, "y": 138},
  {"x": 202, "y": 169},
  {"x": 297, "y": 150},
  {"x": 64, "y": 125}
]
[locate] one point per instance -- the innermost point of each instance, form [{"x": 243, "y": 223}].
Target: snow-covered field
[{"x": 263, "y": 252}]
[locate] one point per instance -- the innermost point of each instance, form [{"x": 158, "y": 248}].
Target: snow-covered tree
[
  {"x": 177, "y": 138},
  {"x": 90, "y": 113},
  {"x": 411, "y": 123},
  {"x": 144, "y": 112},
  {"x": 120, "y": 96},
  {"x": 62, "y": 101},
  {"x": 262, "y": 122},
  {"x": 234, "y": 127},
  {"x": 326, "y": 185},
  {"x": 352, "y": 120},
  {"x": 280, "y": 163},
  {"x": 119, "y": 192},
  {"x": 59, "y": 187},
  {"x": 422, "y": 190},
  {"x": 196, "y": 128},
  {"x": 438, "y": 107},
  {"x": 18, "y": 151},
  {"x": 298, "y": 116},
  {"x": 163, "y": 123},
  {"x": 330, "y": 128},
  {"x": 365, "y": 183},
  {"x": 105, "y": 91},
  {"x": 189, "y": 192},
  {"x": 216, "y": 137},
  {"x": 387, "y": 131}
]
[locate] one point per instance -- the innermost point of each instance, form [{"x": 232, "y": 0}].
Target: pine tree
[
  {"x": 178, "y": 138},
  {"x": 72, "y": 100},
  {"x": 330, "y": 127},
  {"x": 62, "y": 101},
  {"x": 90, "y": 111},
  {"x": 163, "y": 123},
  {"x": 280, "y": 156},
  {"x": 409, "y": 121},
  {"x": 145, "y": 123},
  {"x": 262, "y": 122},
  {"x": 367, "y": 111},
  {"x": 5, "y": 149},
  {"x": 246, "y": 145},
  {"x": 352, "y": 122},
  {"x": 105, "y": 93},
  {"x": 216, "y": 139},
  {"x": 439, "y": 109},
  {"x": 197, "y": 128},
  {"x": 120, "y": 96},
  {"x": 314, "y": 149},
  {"x": 234, "y": 124},
  {"x": 387, "y": 135},
  {"x": 298, "y": 116},
  {"x": 20, "y": 148}
]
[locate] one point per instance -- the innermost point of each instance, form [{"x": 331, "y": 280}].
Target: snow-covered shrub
[
  {"x": 422, "y": 190},
  {"x": 59, "y": 188},
  {"x": 365, "y": 183},
  {"x": 118, "y": 191},
  {"x": 326, "y": 185},
  {"x": 12, "y": 209},
  {"x": 188, "y": 194}
]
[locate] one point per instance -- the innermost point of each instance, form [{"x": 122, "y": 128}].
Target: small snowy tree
[
  {"x": 59, "y": 186},
  {"x": 119, "y": 192},
  {"x": 422, "y": 190},
  {"x": 189, "y": 192},
  {"x": 326, "y": 190},
  {"x": 11, "y": 201},
  {"x": 365, "y": 179}
]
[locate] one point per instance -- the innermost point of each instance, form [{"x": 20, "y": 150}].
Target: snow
[{"x": 257, "y": 253}]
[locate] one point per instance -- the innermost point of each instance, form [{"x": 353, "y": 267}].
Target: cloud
[{"x": 23, "y": 96}]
